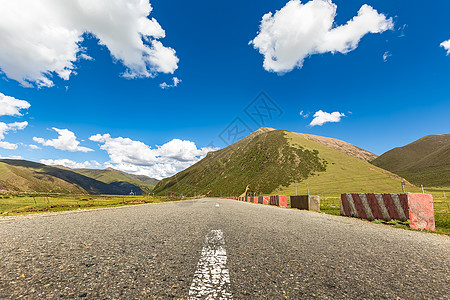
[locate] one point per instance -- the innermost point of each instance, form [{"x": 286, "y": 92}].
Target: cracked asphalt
[{"x": 151, "y": 252}]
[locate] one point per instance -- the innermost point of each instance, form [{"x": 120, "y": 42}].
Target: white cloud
[
  {"x": 138, "y": 158},
  {"x": 66, "y": 141},
  {"x": 11, "y": 157},
  {"x": 386, "y": 56},
  {"x": 71, "y": 164},
  {"x": 402, "y": 30},
  {"x": 5, "y": 128},
  {"x": 299, "y": 30},
  {"x": 41, "y": 39},
  {"x": 165, "y": 85},
  {"x": 446, "y": 46},
  {"x": 321, "y": 117},
  {"x": 10, "y": 106},
  {"x": 34, "y": 147},
  {"x": 303, "y": 114}
]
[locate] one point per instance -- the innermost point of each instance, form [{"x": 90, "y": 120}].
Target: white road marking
[
  {"x": 217, "y": 205},
  {"x": 212, "y": 278}
]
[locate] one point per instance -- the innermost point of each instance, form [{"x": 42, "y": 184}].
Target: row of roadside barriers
[
  {"x": 412, "y": 207},
  {"x": 278, "y": 200}
]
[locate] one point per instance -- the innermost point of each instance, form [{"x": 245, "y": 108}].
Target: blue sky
[{"x": 386, "y": 103}]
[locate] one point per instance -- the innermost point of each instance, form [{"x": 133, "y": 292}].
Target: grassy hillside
[
  {"x": 264, "y": 160},
  {"x": 27, "y": 176},
  {"x": 425, "y": 161},
  {"x": 341, "y": 146},
  {"x": 22, "y": 179},
  {"x": 345, "y": 174},
  {"x": 276, "y": 162},
  {"x": 121, "y": 179}
]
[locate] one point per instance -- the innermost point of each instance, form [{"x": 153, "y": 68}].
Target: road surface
[{"x": 216, "y": 248}]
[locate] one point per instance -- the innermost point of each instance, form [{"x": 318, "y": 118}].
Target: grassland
[{"x": 19, "y": 204}]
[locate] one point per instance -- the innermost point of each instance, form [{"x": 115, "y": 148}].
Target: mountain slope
[
  {"x": 277, "y": 160},
  {"x": 425, "y": 161},
  {"x": 124, "y": 180},
  {"x": 342, "y": 146},
  {"x": 345, "y": 173},
  {"x": 27, "y": 176},
  {"x": 255, "y": 160}
]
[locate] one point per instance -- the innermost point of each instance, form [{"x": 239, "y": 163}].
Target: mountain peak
[{"x": 271, "y": 160}]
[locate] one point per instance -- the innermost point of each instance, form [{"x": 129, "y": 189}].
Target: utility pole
[
  {"x": 403, "y": 187},
  {"x": 296, "y": 191},
  {"x": 422, "y": 189},
  {"x": 307, "y": 188}
]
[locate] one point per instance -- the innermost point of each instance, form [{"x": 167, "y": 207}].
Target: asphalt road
[{"x": 216, "y": 247}]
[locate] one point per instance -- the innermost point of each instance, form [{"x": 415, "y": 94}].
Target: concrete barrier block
[
  {"x": 306, "y": 202},
  {"x": 282, "y": 201},
  {"x": 300, "y": 202},
  {"x": 273, "y": 200},
  {"x": 260, "y": 199},
  {"x": 421, "y": 211},
  {"x": 255, "y": 199},
  {"x": 314, "y": 203},
  {"x": 265, "y": 199},
  {"x": 417, "y": 208}
]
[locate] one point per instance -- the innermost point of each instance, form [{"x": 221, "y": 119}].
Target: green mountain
[
  {"x": 27, "y": 176},
  {"x": 278, "y": 161},
  {"x": 425, "y": 161},
  {"x": 120, "y": 179}
]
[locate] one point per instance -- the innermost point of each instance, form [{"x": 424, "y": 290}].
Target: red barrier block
[
  {"x": 265, "y": 199},
  {"x": 421, "y": 212},
  {"x": 248, "y": 199},
  {"x": 255, "y": 199},
  {"x": 282, "y": 201}
]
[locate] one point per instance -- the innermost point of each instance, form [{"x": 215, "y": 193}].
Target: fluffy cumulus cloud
[
  {"x": 71, "y": 164},
  {"x": 299, "y": 30},
  {"x": 10, "y": 106},
  {"x": 138, "y": 158},
  {"x": 41, "y": 39},
  {"x": 66, "y": 141},
  {"x": 5, "y": 128},
  {"x": 446, "y": 46},
  {"x": 175, "y": 83},
  {"x": 321, "y": 117}
]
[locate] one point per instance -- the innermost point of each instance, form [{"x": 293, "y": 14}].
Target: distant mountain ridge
[
  {"x": 425, "y": 161},
  {"x": 27, "y": 176}
]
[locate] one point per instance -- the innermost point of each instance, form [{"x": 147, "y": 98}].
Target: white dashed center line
[
  {"x": 212, "y": 278},
  {"x": 217, "y": 205}
]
